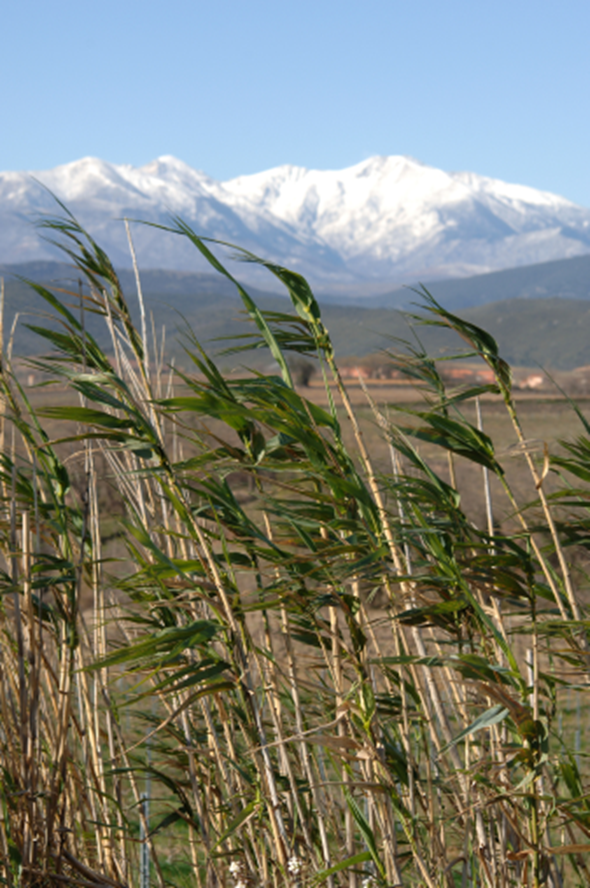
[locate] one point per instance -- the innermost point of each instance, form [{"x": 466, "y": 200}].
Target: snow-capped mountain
[{"x": 384, "y": 221}]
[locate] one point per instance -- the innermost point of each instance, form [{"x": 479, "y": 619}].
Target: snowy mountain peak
[
  {"x": 386, "y": 219},
  {"x": 86, "y": 179},
  {"x": 168, "y": 165}
]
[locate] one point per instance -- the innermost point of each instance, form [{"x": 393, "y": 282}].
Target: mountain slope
[
  {"x": 564, "y": 278},
  {"x": 385, "y": 221}
]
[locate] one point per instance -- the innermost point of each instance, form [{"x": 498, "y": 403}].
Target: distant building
[
  {"x": 357, "y": 372},
  {"x": 534, "y": 381},
  {"x": 469, "y": 374}
]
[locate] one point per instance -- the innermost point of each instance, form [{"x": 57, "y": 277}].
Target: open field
[{"x": 546, "y": 419}]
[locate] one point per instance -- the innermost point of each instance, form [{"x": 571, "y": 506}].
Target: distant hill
[
  {"x": 176, "y": 285},
  {"x": 552, "y": 331},
  {"x": 564, "y": 278},
  {"x": 207, "y": 304}
]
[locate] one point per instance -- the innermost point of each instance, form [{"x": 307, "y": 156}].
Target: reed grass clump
[{"x": 305, "y": 669}]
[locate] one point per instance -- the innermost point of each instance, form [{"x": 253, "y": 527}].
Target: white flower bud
[{"x": 295, "y": 865}]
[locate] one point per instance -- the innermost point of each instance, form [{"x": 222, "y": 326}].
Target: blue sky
[{"x": 230, "y": 87}]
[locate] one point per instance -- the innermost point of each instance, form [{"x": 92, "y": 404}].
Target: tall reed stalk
[{"x": 319, "y": 665}]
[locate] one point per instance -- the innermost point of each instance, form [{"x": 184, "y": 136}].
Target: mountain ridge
[{"x": 382, "y": 222}]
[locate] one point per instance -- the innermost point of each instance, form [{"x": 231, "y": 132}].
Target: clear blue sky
[{"x": 238, "y": 86}]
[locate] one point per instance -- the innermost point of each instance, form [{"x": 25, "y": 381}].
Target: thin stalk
[
  {"x": 144, "y": 338},
  {"x": 538, "y": 481}
]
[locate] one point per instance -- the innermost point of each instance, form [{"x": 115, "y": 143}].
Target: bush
[{"x": 302, "y": 371}]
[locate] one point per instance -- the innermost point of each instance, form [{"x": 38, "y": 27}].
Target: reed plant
[{"x": 306, "y": 669}]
